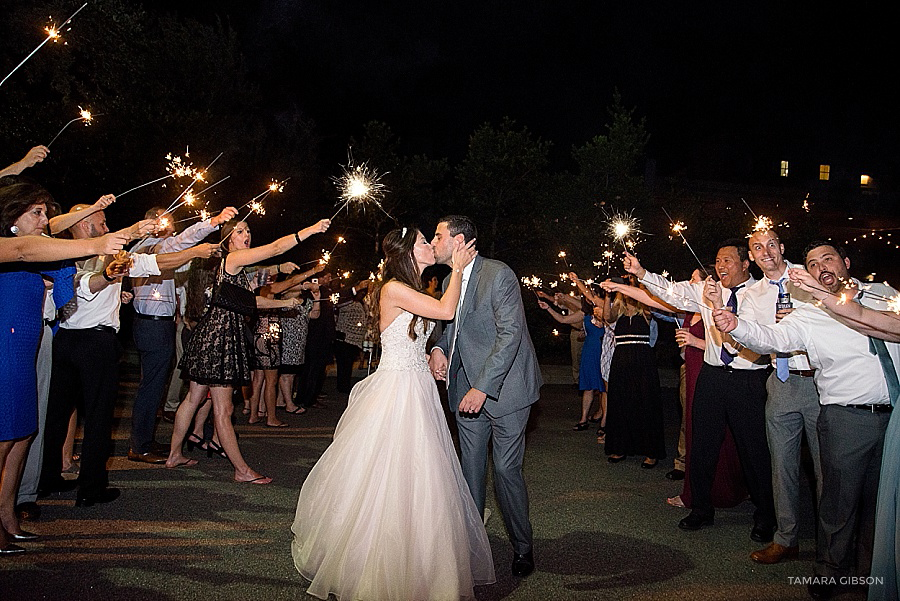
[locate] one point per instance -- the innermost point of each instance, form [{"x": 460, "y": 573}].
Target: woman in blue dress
[
  {"x": 590, "y": 383},
  {"x": 23, "y": 214}
]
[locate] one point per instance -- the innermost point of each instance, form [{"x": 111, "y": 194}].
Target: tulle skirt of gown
[{"x": 385, "y": 513}]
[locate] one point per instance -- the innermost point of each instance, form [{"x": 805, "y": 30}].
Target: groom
[{"x": 492, "y": 378}]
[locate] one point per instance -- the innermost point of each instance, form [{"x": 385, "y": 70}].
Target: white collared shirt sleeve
[
  {"x": 144, "y": 265},
  {"x": 788, "y": 335}
]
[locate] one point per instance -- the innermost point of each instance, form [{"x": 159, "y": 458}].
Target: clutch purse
[{"x": 234, "y": 298}]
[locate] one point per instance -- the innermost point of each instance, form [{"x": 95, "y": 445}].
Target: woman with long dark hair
[
  {"x": 218, "y": 356},
  {"x": 385, "y": 513}
]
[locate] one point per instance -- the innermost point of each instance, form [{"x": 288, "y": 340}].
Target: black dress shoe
[
  {"x": 695, "y": 521},
  {"x": 45, "y": 490},
  {"x": 820, "y": 591},
  {"x": 24, "y": 536},
  {"x": 28, "y": 511},
  {"x": 11, "y": 549},
  {"x": 107, "y": 495},
  {"x": 675, "y": 474},
  {"x": 762, "y": 533},
  {"x": 523, "y": 564}
]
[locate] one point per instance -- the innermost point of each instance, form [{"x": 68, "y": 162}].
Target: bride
[{"x": 385, "y": 513}]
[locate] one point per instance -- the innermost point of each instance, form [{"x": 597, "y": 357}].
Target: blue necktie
[
  {"x": 727, "y": 357},
  {"x": 782, "y": 369}
]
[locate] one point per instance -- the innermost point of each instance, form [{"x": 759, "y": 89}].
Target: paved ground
[{"x": 602, "y": 531}]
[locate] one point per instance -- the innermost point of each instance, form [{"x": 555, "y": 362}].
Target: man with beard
[{"x": 857, "y": 381}]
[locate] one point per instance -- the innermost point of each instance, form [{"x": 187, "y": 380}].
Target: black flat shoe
[
  {"x": 614, "y": 459},
  {"x": 821, "y": 591},
  {"x": 595, "y": 421},
  {"x": 11, "y": 549},
  {"x": 580, "y": 426},
  {"x": 56, "y": 487},
  {"x": 675, "y": 474},
  {"x": 28, "y": 511},
  {"x": 523, "y": 564},
  {"x": 107, "y": 495},
  {"x": 24, "y": 536},
  {"x": 695, "y": 521},
  {"x": 762, "y": 533}
]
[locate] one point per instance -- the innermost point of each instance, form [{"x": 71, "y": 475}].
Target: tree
[{"x": 503, "y": 183}]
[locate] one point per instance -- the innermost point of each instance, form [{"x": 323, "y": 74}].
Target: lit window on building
[
  {"x": 824, "y": 172},
  {"x": 865, "y": 180},
  {"x": 784, "y": 168}
]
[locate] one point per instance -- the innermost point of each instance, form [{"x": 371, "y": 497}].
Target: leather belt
[
  {"x": 154, "y": 317},
  {"x": 108, "y": 329},
  {"x": 50, "y": 322},
  {"x": 803, "y": 373},
  {"x": 874, "y": 408}
]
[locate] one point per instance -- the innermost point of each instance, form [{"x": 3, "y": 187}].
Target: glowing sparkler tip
[
  {"x": 257, "y": 207},
  {"x": 52, "y": 32},
  {"x": 562, "y": 254},
  {"x": 762, "y": 224},
  {"x": 85, "y": 115},
  {"x": 678, "y": 227}
]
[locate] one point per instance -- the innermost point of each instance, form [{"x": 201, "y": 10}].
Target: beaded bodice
[{"x": 398, "y": 351}]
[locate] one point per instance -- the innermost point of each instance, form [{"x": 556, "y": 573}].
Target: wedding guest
[
  {"x": 792, "y": 409},
  {"x": 23, "y": 209},
  {"x": 730, "y": 392},
  {"x": 218, "y": 357},
  {"x": 635, "y": 422},
  {"x": 31, "y": 158},
  {"x": 154, "y": 327},
  {"x": 86, "y": 353},
  {"x": 350, "y": 333},
  {"x": 857, "y": 379}
]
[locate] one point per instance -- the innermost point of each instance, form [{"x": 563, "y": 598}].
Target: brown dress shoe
[
  {"x": 775, "y": 553},
  {"x": 148, "y": 457}
]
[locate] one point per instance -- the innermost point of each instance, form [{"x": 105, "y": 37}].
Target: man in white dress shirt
[
  {"x": 852, "y": 374},
  {"x": 793, "y": 404},
  {"x": 730, "y": 391},
  {"x": 85, "y": 358}
]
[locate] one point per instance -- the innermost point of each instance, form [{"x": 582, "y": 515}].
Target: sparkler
[
  {"x": 623, "y": 228},
  {"x": 360, "y": 184},
  {"x": 256, "y": 204},
  {"x": 181, "y": 169},
  {"x": 562, "y": 255},
  {"x": 83, "y": 115},
  {"x": 678, "y": 227},
  {"x": 52, "y": 34}
]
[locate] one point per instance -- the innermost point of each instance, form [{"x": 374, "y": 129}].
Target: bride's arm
[{"x": 401, "y": 296}]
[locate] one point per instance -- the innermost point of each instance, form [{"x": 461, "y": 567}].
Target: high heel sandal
[
  {"x": 580, "y": 426},
  {"x": 213, "y": 447},
  {"x": 194, "y": 442}
]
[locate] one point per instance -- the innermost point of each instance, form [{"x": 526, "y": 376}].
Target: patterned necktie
[
  {"x": 732, "y": 304},
  {"x": 782, "y": 369}
]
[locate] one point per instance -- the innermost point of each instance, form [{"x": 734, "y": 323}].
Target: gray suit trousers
[
  {"x": 508, "y": 436},
  {"x": 791, "y": 410},
  {"x": 851, "y": 442}
]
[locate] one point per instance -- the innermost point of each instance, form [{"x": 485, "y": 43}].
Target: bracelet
[
  {"x": 107, "y": 278},
  {"x": 297, "y": 237}
]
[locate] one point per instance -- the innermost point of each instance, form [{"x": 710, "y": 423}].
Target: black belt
[
  {"x": 803, "y": 373},
  {"x": 155, "y": 317},
  {"x": 108, "y": 329},
  {"x": 874, "y": 408},
  {"x": 730, "y": 369},
  {"x": 50, "y": 322}
]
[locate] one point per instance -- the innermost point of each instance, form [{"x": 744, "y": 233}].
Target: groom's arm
[{"x": 509, "y": 315}]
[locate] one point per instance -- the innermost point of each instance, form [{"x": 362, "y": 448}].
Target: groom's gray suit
[{"x": 493, "y": 353}]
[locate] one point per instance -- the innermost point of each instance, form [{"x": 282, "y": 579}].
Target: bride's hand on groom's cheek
[{"x": 463, "y": 253}]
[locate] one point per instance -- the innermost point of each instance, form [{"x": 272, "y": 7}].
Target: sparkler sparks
[
  {"x": 678, "y": 227},
  {"x": 53, "y": 33},
  {"x": 326, "y": 257},
  {"x": 763, "y": 224},
  {"x": 83, "y": 115},
  {"x": 360, "y": 185},
  {"x": 532, "y": 283}
]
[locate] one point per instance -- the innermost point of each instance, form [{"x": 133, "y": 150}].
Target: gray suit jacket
[{"x": 494, "y": 350}]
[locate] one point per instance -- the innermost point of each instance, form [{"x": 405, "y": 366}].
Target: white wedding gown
[{"x": 385, "y": 513}]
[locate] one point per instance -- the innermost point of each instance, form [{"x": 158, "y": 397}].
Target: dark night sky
[{"x": 717, "y": 82}]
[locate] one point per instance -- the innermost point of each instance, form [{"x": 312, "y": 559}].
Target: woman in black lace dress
[{"x": 218, "y": 356}]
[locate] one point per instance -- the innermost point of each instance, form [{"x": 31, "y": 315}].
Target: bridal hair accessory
[{"x": 402, "y": 232}]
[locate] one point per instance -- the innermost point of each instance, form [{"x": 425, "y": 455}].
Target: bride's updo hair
[{"x": 400, "y": 265}]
